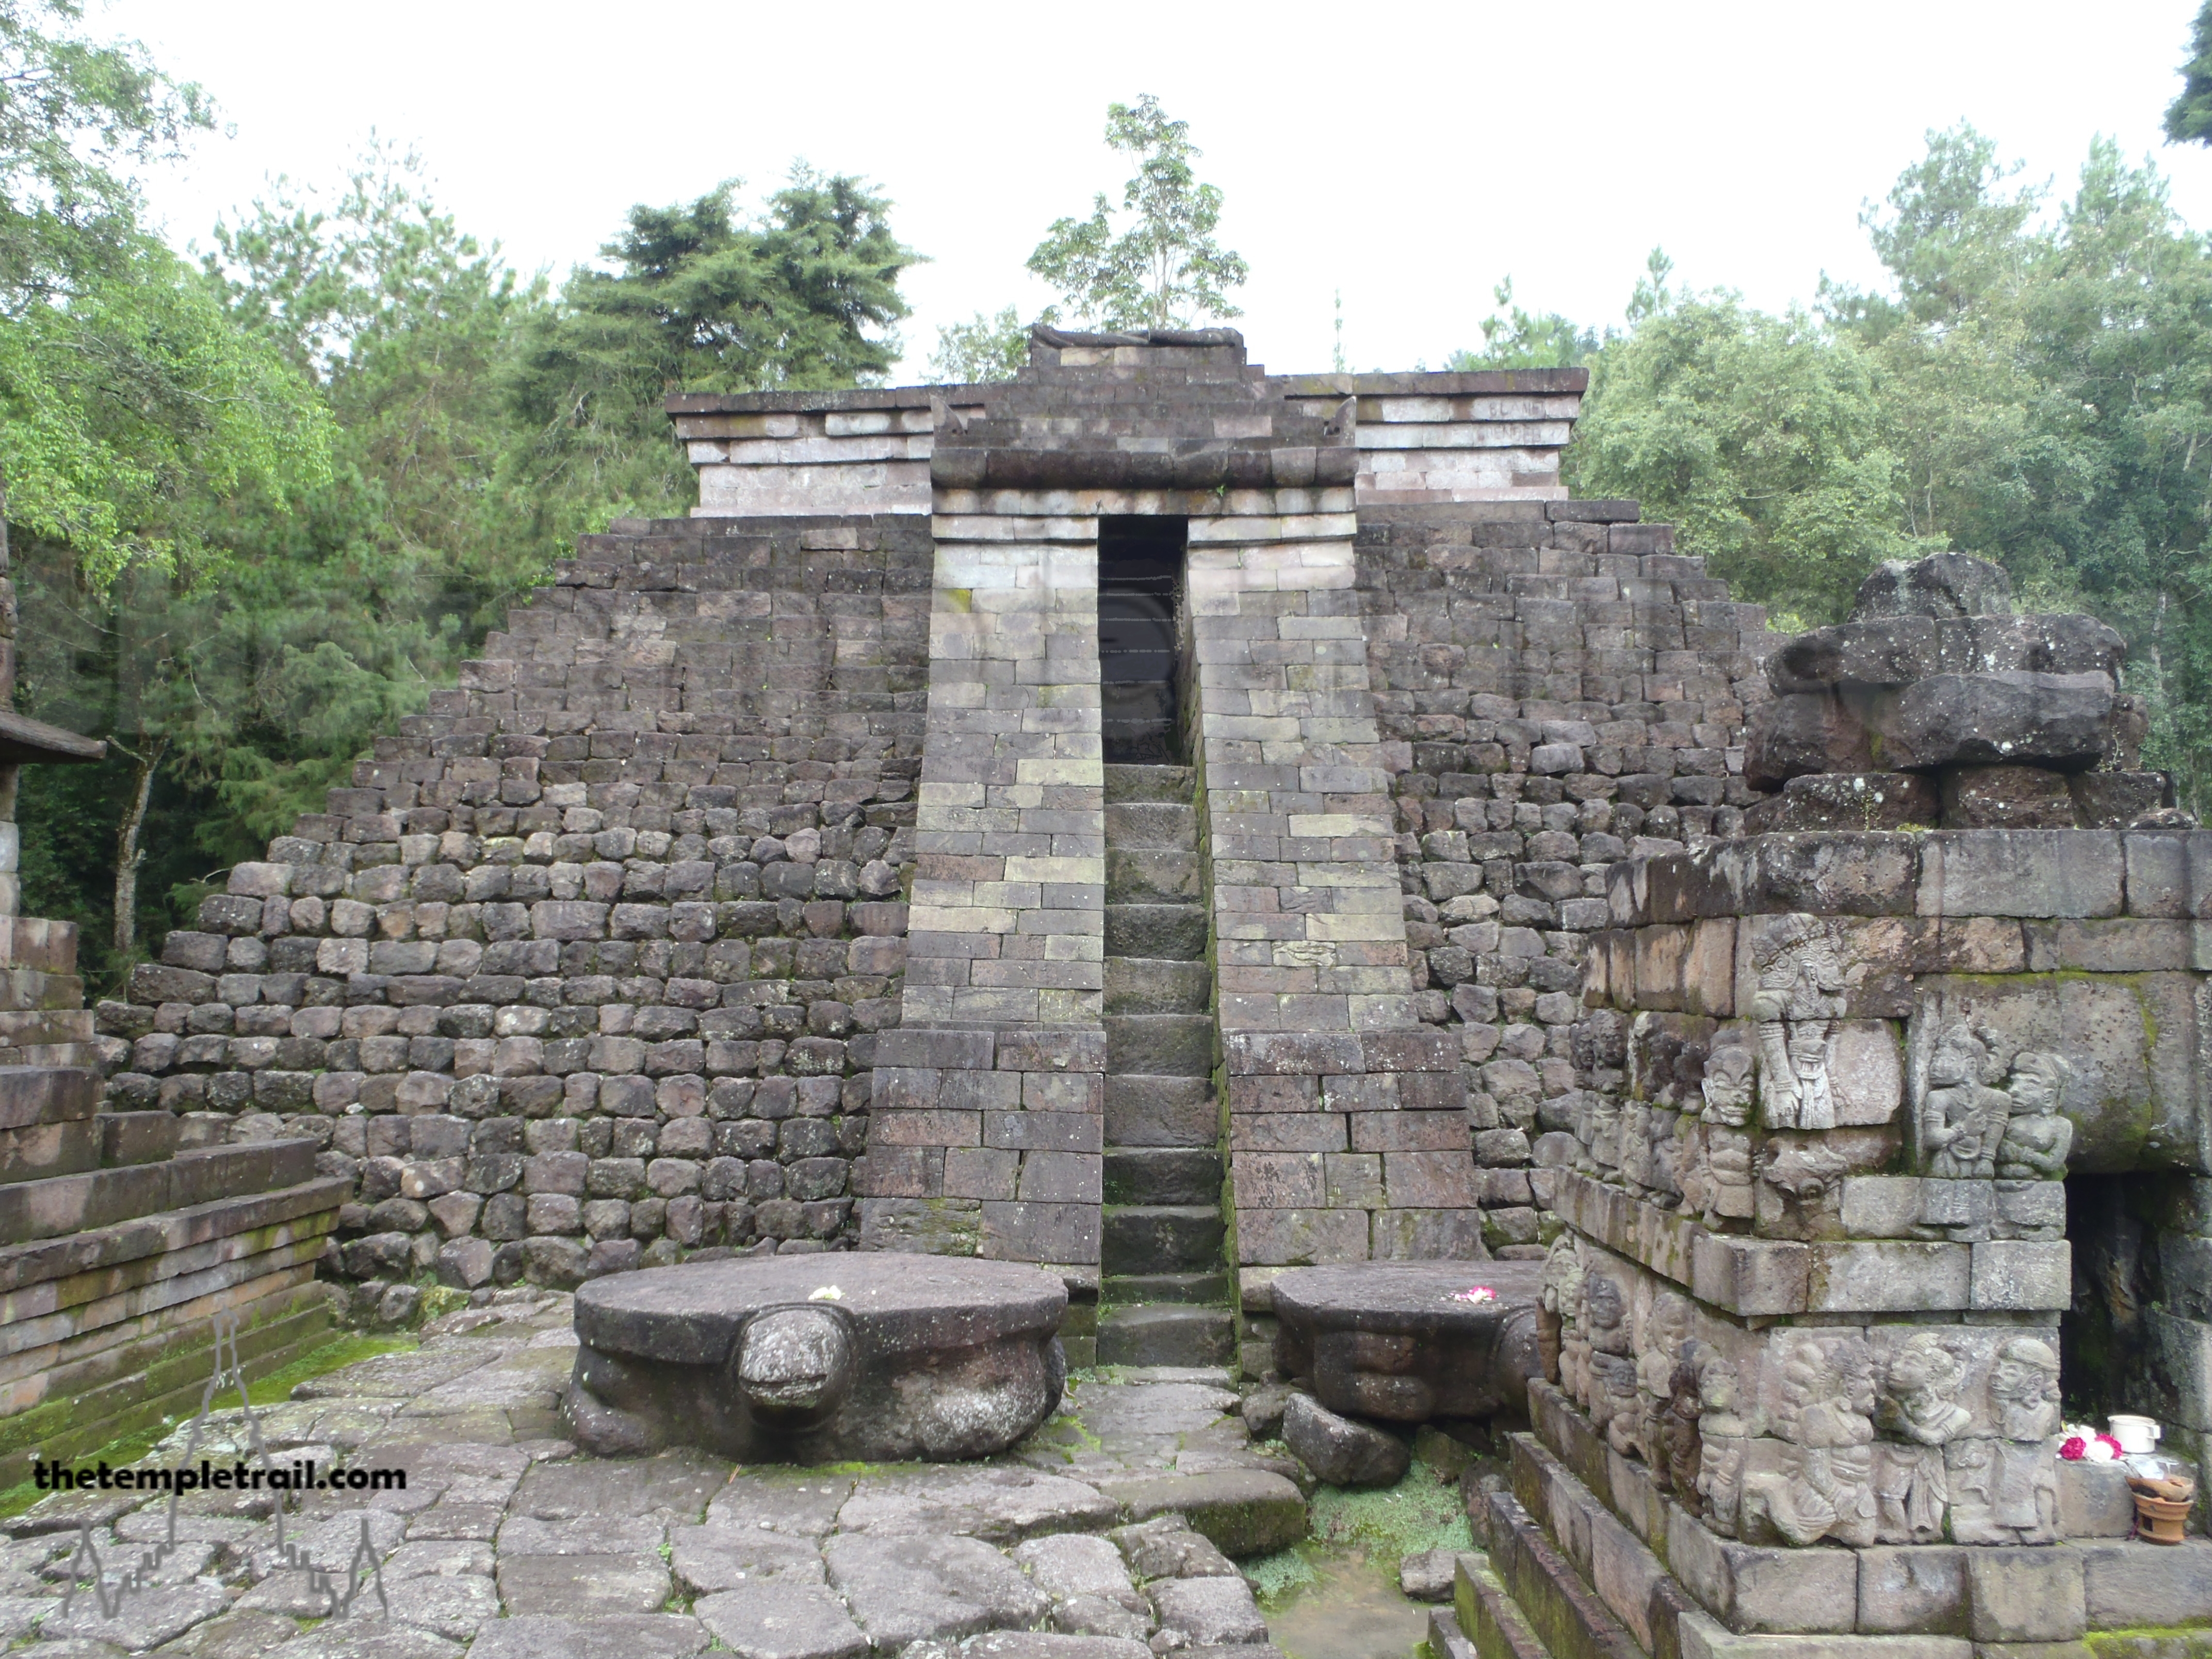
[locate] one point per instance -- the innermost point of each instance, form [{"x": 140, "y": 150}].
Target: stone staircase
[
  {"x": 1165, "y": 1290},
  {"x": 122, "y": 1234}
]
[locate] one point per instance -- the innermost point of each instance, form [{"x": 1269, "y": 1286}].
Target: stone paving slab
[{"x": 507, "y": 1543}]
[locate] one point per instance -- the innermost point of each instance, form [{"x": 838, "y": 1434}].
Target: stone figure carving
[
  {"x": 2036, "y": 1138},
  {"x": 1724, "y": 1444},
  {"x": 2005, "y": 1491},
  {"x": 1725, "y": 1175},
  {"x": 1962, "y": 1118},
  {"x": 1560, "y": 1290},
  {"x": 1806, "y": 1173},
  {"x": 1799, "y": 1001},
  {"x": 1918, "y": 1405},
  {"x": 1615, "y": 1407},
  {"x": 1635, "y": 1144},
  {"x": 1686, "y": 1158},
  {"x": 1666, "y": 1328},
  {"x": 1613, "y": 1399},
  {"x": 1678, "y": 1456},
  {"x": 1604, "y": 1135},
  {"x": 1666, "y": 1180},
  {"x": 1825, "y": 1488}
]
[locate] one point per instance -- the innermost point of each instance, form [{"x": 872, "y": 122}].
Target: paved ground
[{"x": 508, "y": 1545}]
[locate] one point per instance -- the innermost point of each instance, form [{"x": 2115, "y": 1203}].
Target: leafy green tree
[
  {"x": 2189, "y": 117},
  {"x": 986, "y": 347},
  {"x": 701, "y": 300},
  {"x": 1166, "y": 269},
  {"x": 1761, "y": 437},
  {"x": 1522, "y": 339}
]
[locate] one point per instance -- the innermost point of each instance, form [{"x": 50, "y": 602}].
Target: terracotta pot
[{"x": 2158, "y": 1520}]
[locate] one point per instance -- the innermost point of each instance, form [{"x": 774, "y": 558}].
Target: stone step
[
  {"x": 1161, "y": 1111},
  {"x": 35, "y": 987},
  {"x": 1173, "y": 932},
  {"x": 1159, "y": 1045},
  {"x": 1172, "y": 783},
  {"x": 1162, "y": 1238},
  {"x": 1152, "y": 876},
  {"x": 46, "y": 1094},
  {"x": 138, "y": 1136},
  {"x": 1162, "y": 1175},
  {"x": 37, "y": 1150},
  {"x": 1163, "y": 826},
  {"x": 1484, "y": 1615},
  {"x": 1164, "y": 1334},
  {"x": 36, "y": 942},
  {"x": 1127, "y": 1289},
  {"x": 58, "y": 1205},
  {"x": 1157, "y": 984},
  {"x": 1567, "y": 1616},
  {"x": 1137, "y": 739},
  {"x": 44, "y": 1028}
]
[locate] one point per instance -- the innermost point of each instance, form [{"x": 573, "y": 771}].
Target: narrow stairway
[{"x": 1163, "y": 1299}]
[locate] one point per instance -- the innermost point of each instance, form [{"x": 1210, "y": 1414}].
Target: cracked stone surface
[{"x": 507, "y": 1543}]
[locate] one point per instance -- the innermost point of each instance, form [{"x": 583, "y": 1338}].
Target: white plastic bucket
[{"x": 2136, "y": 1434}]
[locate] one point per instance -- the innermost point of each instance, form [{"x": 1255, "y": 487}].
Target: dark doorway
[{"x": 1140, "y": 563}]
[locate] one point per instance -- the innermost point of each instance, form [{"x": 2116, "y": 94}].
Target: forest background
[{"x": 262, "y": 501}]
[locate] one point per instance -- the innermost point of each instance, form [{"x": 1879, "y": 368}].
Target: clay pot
[{"x": 2160, "y": 1520}]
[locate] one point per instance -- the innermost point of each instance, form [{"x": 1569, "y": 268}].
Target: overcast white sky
[{"x": 1408, "y": 154}]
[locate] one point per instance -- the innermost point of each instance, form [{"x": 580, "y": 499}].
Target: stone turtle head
[{"x": 795, "y": 1364}]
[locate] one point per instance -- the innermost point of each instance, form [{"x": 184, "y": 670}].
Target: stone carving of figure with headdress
[
  {"x": 1962, "y": 1118},
  {"x": 1799, "y": 1001},
  {"x": 2005, "y": 1491},
  {"x": 2036, "y": 1138},
  {"x": 1726, "y": 1165},
  {"x": 1666, "y": 1328},
  {"x": 1561, "y": 1290},
  {"x": 1825, "y": 1489},
  {"x": 1918, "y": 1406},
  {"x": 1723, "y": 1440}
]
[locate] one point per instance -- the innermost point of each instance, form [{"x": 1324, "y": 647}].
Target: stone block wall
[
  {"x": 1817, "y": 1252},
  {"x": 588, "y": 963},
  {"x": 1568, "y": 692}
]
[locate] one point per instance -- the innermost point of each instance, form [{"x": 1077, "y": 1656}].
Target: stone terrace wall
[
  {"x": 1572, "y": 693},
  {"x": 586, "y": 965}
]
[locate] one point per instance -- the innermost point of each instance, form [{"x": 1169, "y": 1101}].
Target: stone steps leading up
[
  {"x": 1484, "y": 1616},
  {"x": 1165, "y": 1295},
  {"x": 1564, "y": 1613},
  {"x": 59, "y": 1205}
]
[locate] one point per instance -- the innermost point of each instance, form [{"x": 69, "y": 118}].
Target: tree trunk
[{"x": 128, "y": 852}]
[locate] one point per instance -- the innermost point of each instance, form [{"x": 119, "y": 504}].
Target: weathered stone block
[{"x": 2027, "y": 1593}]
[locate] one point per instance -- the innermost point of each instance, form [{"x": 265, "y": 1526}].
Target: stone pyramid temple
[{"x": 1175, "y": 825}]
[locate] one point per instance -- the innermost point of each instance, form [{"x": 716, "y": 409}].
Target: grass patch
[
  {"x": 1382, "y": 1525},
  {"x": 271, "y": 1390},
  {"x": 1421, "y": 1512},
  {"x": 1274, "y": 1576},
  {"x": 275, "y": 1389}
]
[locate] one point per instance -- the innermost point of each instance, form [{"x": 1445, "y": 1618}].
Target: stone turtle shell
[{"x": 690, "y": 1315}]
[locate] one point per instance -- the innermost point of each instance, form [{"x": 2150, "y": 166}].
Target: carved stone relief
[
  {"x": 2004, "y": 1488},
  {"x": 1919, "y": 1407},
  {"x": 1821, "y": 1483}
]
